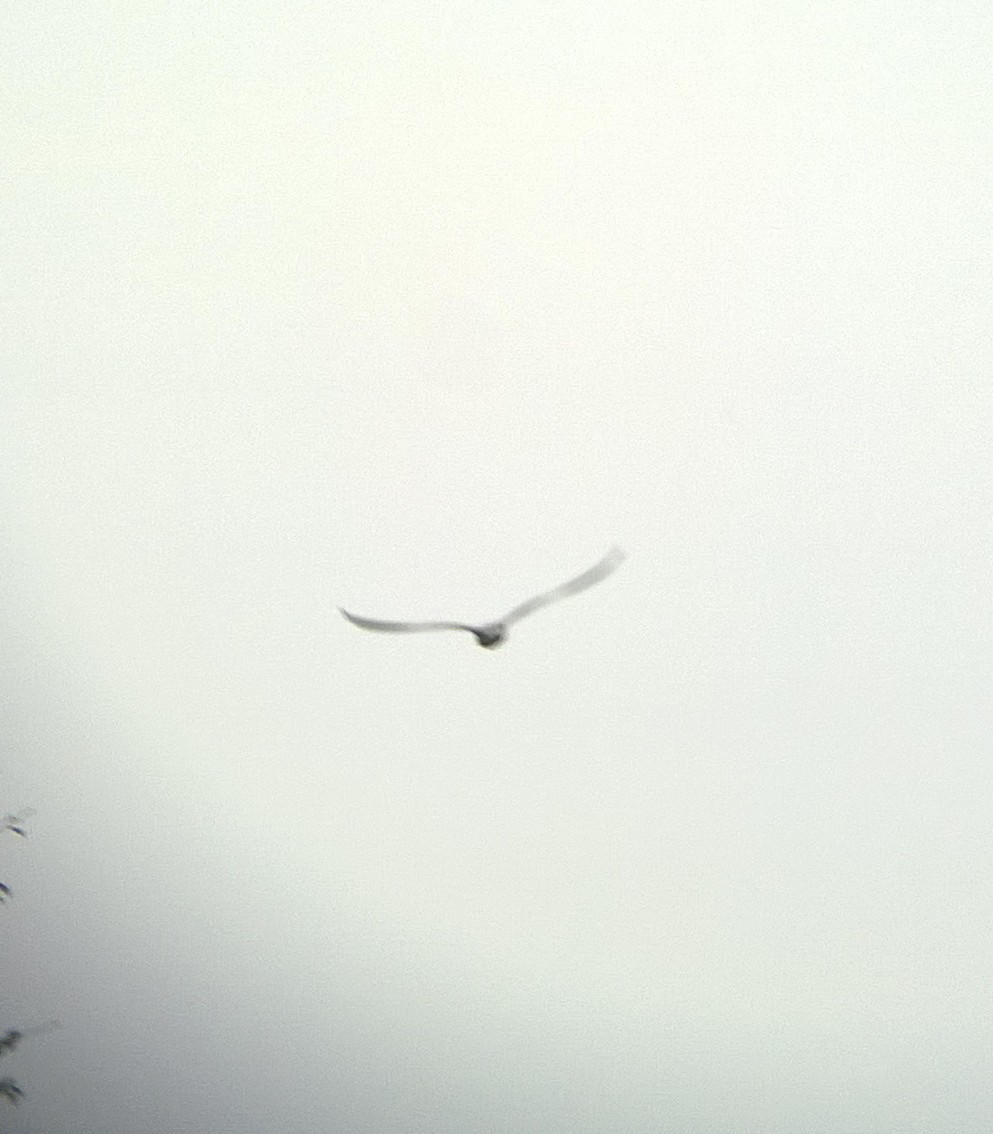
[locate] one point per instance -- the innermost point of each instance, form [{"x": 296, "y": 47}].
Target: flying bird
[{"x": 491, "y": 634}]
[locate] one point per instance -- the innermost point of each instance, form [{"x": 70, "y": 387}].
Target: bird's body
[
  {"x": 490, "y": 634},
  {"x": 489, "y": 637}
]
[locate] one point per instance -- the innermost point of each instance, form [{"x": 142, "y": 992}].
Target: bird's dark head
[{"x": 489, "y": 637}]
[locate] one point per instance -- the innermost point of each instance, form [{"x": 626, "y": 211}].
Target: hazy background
[{"x": 416, "y": 309}]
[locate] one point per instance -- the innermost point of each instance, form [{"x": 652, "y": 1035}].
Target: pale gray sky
[{"x": 417, "y": 309}]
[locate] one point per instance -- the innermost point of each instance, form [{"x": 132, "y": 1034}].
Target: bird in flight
[{"x": 491, "y": 634}]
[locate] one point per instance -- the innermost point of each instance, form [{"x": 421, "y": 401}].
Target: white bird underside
[{"x": 491, "y": 634}]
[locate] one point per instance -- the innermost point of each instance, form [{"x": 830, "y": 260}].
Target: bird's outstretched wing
[
  {"x": 401, "y": 627},
  {"x": 610, "y": 562}
]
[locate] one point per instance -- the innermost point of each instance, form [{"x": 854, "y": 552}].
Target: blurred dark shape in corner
[
  {"x": 11, "y": 1091},
  {"x": 8, "y": 1087},
  {"x": 15, "y": 823},
  {"x": 14, "y": 1035}
]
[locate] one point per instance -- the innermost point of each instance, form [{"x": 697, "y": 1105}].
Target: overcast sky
[{"x": 417, "y": 309}]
